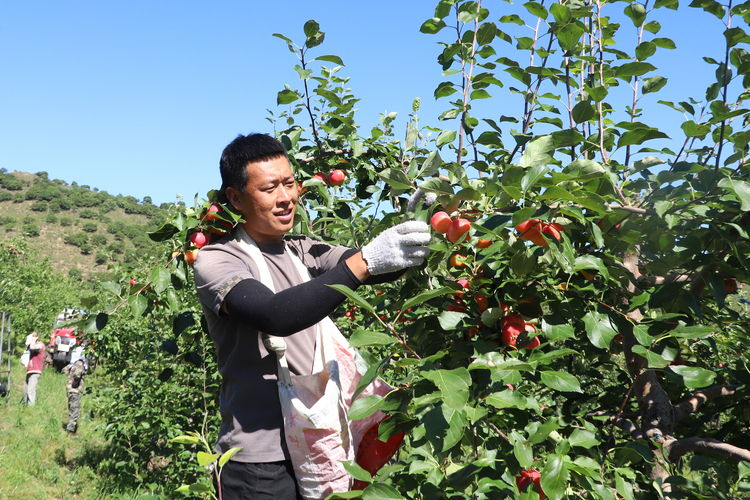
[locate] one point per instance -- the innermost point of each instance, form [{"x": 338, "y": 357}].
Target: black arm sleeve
[{"x": 290, "y": 310}]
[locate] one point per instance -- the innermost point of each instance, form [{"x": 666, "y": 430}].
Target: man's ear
[{"x": 234, "y": 198}]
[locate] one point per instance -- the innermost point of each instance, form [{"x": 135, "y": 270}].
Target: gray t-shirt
[{"x": 249, "y": 401}]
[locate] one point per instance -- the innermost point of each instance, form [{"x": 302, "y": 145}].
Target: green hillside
[{"x": 80, "y": 229}]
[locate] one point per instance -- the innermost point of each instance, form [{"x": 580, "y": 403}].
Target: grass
[{"x": 38, "y": 460}]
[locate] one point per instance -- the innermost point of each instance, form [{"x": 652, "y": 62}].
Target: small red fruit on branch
[
  {"x": 483, "y": 243},
  {"x": 457, "y": 230},
  {"x": 730, "y": 285},
  {"x": 132, "y": 282},
  {"x": 336, "y": 177},
  {"x": 321, "y": 177},
  {"x": 527, "y": 477},
  {"x": 510, "y": 328},
  {"x": 190, "y": 256},
  {"x": 482, "y": 303},
  {"x": 440, "y": 222},
  {"x": 212, "y": 213},
  {"x": 198, "y": 239}
]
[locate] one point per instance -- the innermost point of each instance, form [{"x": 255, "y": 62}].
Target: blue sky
[{"x": 139, "y": 98}]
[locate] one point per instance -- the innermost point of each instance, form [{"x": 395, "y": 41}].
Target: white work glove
[{"x": 397, "y": 248}]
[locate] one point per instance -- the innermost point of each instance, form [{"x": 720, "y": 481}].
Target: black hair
[{"x": 243, "y": 150}]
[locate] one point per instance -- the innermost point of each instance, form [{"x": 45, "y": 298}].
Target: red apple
[
  {"x": 198, "y": 239},
  {"x": 336, "y": 177},
  {"x": 464, "y": 284},
  {"x": 511, "y": 327},
  {"x": 440, "y": 222},
  {"x": 483, "y": 243},
  {"x": 190, "y": 256},
  {"x": 458, "y": 228},
  {"x": 482, "y": 303},
  {"x": 321, "y": 177},
  {"x": 529, "y": 476},
  {"x": 457, "y": 260},
  {"x": 213, "y": 210},
  {"x": 551, "y": 230}
]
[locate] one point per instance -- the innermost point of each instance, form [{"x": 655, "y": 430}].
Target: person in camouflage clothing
[{"x": 76, "y": 372}]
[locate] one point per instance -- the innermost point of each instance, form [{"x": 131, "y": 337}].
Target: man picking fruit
[{"x": 241, "y": 310}]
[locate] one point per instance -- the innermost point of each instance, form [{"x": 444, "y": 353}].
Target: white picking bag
[{"x": 318, "y": 433}]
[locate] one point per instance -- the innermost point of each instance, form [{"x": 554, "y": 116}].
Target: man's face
[{"x": 269, "y": 201}]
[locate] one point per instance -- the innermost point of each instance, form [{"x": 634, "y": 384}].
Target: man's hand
[{"x": 397, "y": 248}]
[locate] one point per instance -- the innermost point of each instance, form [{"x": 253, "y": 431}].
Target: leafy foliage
[{"x": 635, "y": 383}]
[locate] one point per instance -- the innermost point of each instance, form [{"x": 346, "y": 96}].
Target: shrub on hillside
[
  {"x": 86, "y": 249},
  {"x": 7, "y": 221},
  {"x": 99, "y": 240},
  {"x": 5, "y": 195},
  {"x": 31, "y": 230},
  {"x": 75, "y": 274},
  {"x": 66, "y": 221},
  {"x": 90, "y": 227},
  {"x": 101, "y": 257},
  {"x": 107, "y": 205},
  {"x": 77, "y": 239},
  {"x": 11, "y": 182},
  {"x": 18, "y": 198},
  {"x": 87, "y": 213},
  {"x": 39, "y": 206},
  {"x": 43, "y": 190},
  {"x": 29, "y": 219},
  {"x": 51, "y": 219}
]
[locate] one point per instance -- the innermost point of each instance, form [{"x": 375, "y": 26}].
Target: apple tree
[{"x": 576, "y": 329}]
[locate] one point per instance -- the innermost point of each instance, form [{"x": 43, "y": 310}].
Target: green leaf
[
  {"x": 654, "y": 360},
  {"x": 96, "y": 323},
  {"x": 227, "y": 455},
  {"x": 332, "y": 59},
  {"x": 450, "y": 320},
  {"x": 206, "y": 458},
  {"x": 583, "y": 112},
  {"x": 692, "y": 377},
  {"x": 381, "y": 491},
  {"x": 522, "y": 449},
  {"x": 453, "y": 384},
  {"x": 645, "y": 50},
  {"x": 739, "y": 188},
  {"x": 555, "y": 477},
  {"x": 138, "y": 304},
  {"x": 425, "y": 296},
  {"x": 368, "y": 338},
  {"x": 599, "y": 329},
  {"x": 735, "y": 36},
  {"x": 356, "y": 471},
  {"x": 536, "y": 9},
  {"x": 624, "y": 488},
  {"x": 111, "y": 287},
  {"x": 432, "y": 26},
  {"x": 510, "y": 399},
  {"x": 311, "y": 28},
  {"x": 637, "y": 13},
  {"x": 629, "y": 70},
  {"x": 364, "y": 407},
  {"x": 560, "y": 381},
  {"x": 164, "y": 232},
  {"x": 185, "y": 440},
  {"x": 653, "y": 84},
  {"x": 286, "y": 96},
  {"x": 160, "y": 279},
  {"x": 583, "y": 439},
  {"x": 486, "y": 33},
  {"x": 532, "y": 176},
  {"x": 538, "y": 152},
  {"x": 597, "y": 94},
  {"x": 445, "y": 137},
  {"x": 444, "y": 427},
  {"x": 353, "y": 297},
  {"x": 693, "y": 129},
  {"x": 557, "y": 332}
]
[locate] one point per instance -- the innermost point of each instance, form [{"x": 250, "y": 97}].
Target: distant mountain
[{"x": 81, "y": 230}]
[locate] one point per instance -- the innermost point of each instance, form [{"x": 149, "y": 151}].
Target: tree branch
[
  {"x": 679, "y": 447},
  {"x": 691, "y": 405}
]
